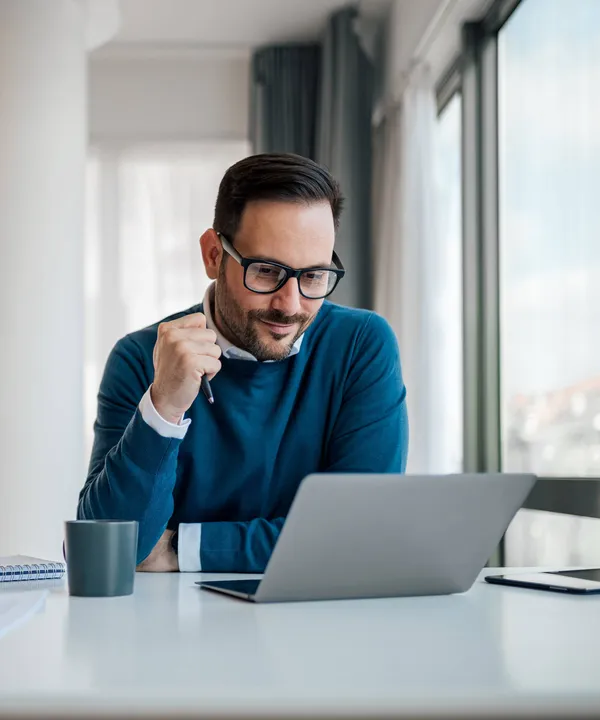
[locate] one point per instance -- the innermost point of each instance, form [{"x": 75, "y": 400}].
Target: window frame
[{"x": 474, "y": 73}]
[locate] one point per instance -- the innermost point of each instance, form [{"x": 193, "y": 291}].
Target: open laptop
[{"x": 363, "y": 536}]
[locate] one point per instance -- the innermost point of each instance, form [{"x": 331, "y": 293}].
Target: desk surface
[{"x": 173, "y": 646}]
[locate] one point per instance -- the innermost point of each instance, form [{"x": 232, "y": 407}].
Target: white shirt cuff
[
  {"x": 188, "y": 547},
  {"x": 158, "y": 423}
]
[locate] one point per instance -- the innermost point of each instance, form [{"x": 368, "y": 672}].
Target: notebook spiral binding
[{"x": 36, "y": 571}]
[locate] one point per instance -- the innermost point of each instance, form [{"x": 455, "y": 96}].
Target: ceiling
[{"x": 239, "y": 23}]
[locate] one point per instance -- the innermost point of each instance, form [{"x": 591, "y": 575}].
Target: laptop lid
[{"x": 355, "y": 535}]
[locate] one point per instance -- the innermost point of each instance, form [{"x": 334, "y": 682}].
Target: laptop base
[{"x": 244, "y": 589}]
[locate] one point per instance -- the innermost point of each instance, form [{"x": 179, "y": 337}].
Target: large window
[
  {"x": 549, "y": 170},
  {"x": 549, "y": 113}
]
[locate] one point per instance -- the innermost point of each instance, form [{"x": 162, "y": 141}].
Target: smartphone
[{"x": 579, "y": 582}]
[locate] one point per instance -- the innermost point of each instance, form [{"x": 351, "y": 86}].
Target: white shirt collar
[{"x": 228, "y": 349}]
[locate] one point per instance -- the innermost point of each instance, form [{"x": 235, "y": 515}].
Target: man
[{"x": 300, "y": 385}]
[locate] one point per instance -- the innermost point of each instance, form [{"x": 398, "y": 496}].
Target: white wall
[
  {"x": 158, "y": 97},
  {"x": 42, "y": 146}
]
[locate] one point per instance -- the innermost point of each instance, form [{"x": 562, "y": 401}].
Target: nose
[{"x": 287, "y": 299}]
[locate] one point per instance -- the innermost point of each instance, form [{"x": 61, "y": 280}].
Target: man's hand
[
  {"x": 185, "y": 351},
  {"x": 162, "y": 558}
]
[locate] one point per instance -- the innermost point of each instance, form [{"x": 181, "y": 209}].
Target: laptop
[{"x": 366, "y": 536}]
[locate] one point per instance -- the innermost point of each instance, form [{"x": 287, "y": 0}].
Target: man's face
[{"x": 293, "y": 234}]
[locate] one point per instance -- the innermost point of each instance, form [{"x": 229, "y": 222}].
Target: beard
[{"x": 241, "y": 326}]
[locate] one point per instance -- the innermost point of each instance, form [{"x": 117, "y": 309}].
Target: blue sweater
[{"x": 336, "y": 406}]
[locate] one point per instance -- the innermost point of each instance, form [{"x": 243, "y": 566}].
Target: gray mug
[{"x": 101, "y": 557}]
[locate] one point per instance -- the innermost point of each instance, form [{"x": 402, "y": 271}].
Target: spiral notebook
[{"x": 22, "y": 567}]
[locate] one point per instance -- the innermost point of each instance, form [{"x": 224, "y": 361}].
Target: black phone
[{"x": 578, "y": 582}]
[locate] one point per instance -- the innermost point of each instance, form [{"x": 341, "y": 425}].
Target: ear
[{"x": 212, "y": 253}]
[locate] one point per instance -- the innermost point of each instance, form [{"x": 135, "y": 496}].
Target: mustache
[{"x": 277, "y": 317}]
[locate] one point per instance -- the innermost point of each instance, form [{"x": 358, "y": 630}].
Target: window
[
  {"x": 549, "y": 115},
  {"x": 549, "y": 163},
  {"x": 447, "y": 257}
]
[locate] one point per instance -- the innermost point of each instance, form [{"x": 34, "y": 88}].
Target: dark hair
[{"x": 270, "y": 176}]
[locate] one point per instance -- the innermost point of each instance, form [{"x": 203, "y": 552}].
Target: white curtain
[
  {"x": 146, "y": 209},
  {"x": 408, "y": 268}
]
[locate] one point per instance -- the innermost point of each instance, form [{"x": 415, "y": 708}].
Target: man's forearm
[{"x": 134, "y": 480}]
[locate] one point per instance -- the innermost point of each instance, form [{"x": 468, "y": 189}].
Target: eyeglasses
[{"x": 267, "y": 276}]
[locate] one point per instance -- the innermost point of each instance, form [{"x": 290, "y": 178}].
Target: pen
[{"x": 206, "y": 389}]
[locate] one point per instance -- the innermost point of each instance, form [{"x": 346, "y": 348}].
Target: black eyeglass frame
[{"x": 338, "y": 270}]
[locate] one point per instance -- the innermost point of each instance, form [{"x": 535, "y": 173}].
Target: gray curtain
[
  {"x": 344, "y": 146},
  {"x": 284, "y": 98}
]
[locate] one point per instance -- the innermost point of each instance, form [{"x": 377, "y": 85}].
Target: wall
[{"x": 152, "y": 96}]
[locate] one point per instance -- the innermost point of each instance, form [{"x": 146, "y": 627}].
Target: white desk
[{"x": 174, "y": 650}]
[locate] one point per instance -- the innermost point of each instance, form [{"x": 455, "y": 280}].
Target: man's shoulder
[
  {"x": 358, "y": 341},
  {"x": 145, "y": 338},
  {"x": 343, "y": 316},
  {"x": 354, "y": 323}
]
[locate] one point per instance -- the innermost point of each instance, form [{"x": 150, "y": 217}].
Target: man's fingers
[
  {"x": 194, "y": 320},
  {"x": 201, "y": 347},
  {"x": 210, "y": 367},
  {"x": 177, "y": 335},
  {"x": 206, "y": 349},
  {"x": 196, "y": 335}
]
